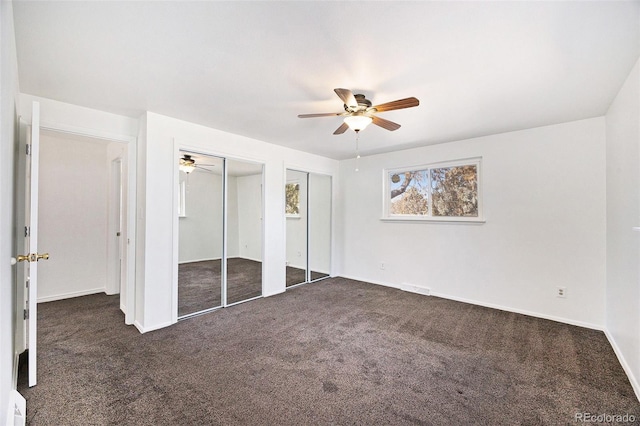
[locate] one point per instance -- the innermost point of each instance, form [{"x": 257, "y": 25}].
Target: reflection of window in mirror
[
  {"x": 292, "y": 196},
  {"x": 182, "y": 191}
]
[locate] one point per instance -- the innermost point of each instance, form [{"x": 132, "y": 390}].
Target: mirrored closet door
[
  {"x": 296, "y": 232},
  {"x": 219, "y": 232},
  {"x": 244, "y": 231},
  {"x": 308, "y": 227},
  {"x": 200, "y": 230},
  {"x": 319, "y": 226}
]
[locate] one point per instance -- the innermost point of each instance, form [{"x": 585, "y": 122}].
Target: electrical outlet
[
  {"x": 562, "y": 292},
  {"x": 299, "y": 254},
  {"x": 383, "y": 266}
]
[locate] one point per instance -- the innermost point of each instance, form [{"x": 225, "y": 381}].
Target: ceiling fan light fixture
[
  {"x": 357, "y": 122},
  {"x": 187, "y": 168},
  {"x": 187, "y": 164}
]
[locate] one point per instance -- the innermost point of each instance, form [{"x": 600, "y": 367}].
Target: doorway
[
  {"x": 53, "y": 188},
  {"x": 82, "y": 187}
]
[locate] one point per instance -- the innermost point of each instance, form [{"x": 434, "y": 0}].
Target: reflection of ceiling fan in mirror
[
  {"x": 188, "y": 164},
  {"x": 358, "y": 112}
]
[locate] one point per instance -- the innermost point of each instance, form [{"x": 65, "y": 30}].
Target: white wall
[
  {"x": 297, "y": 226},
  {"x": 8, "y": 139},
  {"x": 623, "y": 213},
  {"x": 157, "y": 294},
  {"x": 250, "y": 216},
  {"x": 544, "y": 203},
  {"x": 201, "y": 228},
  {"x": 72, "y": 215}
]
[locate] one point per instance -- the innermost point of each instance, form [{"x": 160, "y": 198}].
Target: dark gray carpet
[
  {"x": 199, "y": 283},
  {"x": 334, "y": 352}
]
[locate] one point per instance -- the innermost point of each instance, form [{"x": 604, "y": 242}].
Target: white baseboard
[
  {"x": 70, "y": 295},
  {"x": 625, "y": 366},
  {"x": 422, "y": 290},
  {"x": 198, "y": 260},
  {"x": 523, "y": 312},
  {"x": 143, "y": 330},
  {"x": 245, "y": 257},
  {"x": 273, "y": 293},
  {"x": 296, "y": 266},
  {"x": 17, "y": 409}
]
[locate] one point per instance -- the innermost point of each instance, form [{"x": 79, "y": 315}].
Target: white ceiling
[{"x": 249, "y": 67}]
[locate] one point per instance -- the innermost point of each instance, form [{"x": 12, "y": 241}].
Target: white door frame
[
  {"x": 115, "y": 230},
  {"x": 130, "y": 237}
]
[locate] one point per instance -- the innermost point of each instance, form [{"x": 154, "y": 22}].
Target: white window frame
[{"x": 386, "y": 190}]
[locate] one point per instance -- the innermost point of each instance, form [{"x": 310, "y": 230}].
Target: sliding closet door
[
  {"x": 297, "y": 220},
  {"x": 319, "y": 226},
  {"x": 244, "y": 231},
  {"x": 200, "y": 246}
]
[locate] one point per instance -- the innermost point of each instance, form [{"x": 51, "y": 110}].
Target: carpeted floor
[
  {"x": 199, "y": 283},
  {"x": 335, "y": 352}
]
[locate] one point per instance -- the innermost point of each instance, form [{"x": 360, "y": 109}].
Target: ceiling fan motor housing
[{"x": 363, "y": 104}]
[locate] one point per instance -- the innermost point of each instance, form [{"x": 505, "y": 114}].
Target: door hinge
[
  {"x": 26, "y": 314},
  {"x": 28, "y": 149},
  {"x": 27, "y": 231}
]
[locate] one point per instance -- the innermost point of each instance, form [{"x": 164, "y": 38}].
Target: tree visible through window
[
  {"x": 410, "y": 192},
  {"x": 448, "y": 190}
]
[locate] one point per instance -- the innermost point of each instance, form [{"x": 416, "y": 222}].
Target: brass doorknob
[
  {"x": 32, "y": 257},
  {"x": 44, "y": 256}
]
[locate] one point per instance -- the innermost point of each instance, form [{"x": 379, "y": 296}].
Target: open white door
[{"x": 31, "y": 257}]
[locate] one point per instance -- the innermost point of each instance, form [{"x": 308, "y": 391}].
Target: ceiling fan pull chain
[{"x": 357, "y": 150}]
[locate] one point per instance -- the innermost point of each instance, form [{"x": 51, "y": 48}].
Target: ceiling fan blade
[
  {"x": 325, "y": 114},
  {"x": 347, "y": 97},
  {"x": 385, "y": 124},
  {"x": 399, "y": 104},
  {"x": 340, "y": 130},
  {"x": 200, "y": 167}
]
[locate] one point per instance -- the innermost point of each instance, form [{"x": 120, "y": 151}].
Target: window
[
  {"x": 292, "y": 199},
  {"x": 441, "y": 191}
]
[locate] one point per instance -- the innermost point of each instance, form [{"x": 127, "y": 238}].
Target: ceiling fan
[
  {"x": 188, "y": 164},
  {"x": 358, "y": 112}
]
